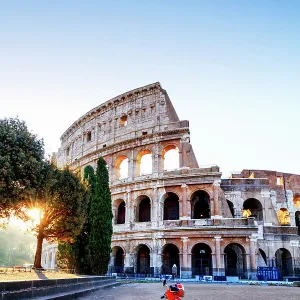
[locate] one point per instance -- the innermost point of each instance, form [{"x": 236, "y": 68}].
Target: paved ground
[
  {"x": 12, "y": 276},
  {"x": 151, "y": 291}
]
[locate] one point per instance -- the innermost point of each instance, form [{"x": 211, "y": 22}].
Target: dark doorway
[
  {"x": 235, "y": 261},
  {"x": 170, "y": 257},
  {"x": 145, "y": 210},
  {"x": 200, "y": 205},
  {"x": 284, "y": 262},
  {"x": 119, "y": 260},
  {"x": 121, "y": 213},
  {"x": 201, "y": 260},
  {"x": 171, "y": 207},
  {"x": 143, "y": 260},
  {"x": 297, "y": 220}
]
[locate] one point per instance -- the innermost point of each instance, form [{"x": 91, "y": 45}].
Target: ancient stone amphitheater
[{"x": 169, "y": 211}]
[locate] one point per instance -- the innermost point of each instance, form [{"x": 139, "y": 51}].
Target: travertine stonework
[{"x": 186, "y": 216}]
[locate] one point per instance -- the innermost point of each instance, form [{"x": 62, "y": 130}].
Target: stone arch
[
  {"x": 170, "y": 155},
  {"x": 200, "y": 205},
  {"x": 121, "y": 167},
  {"x": 235, "y": 260},
  {"x": 284, "y": 216},
  {"x": 118, "y": 255},
  {"x": 115, "y": 205},
  {"x": 144, "y": 162},
  {"x": 143, "y": 259},
  {"x": 284, "y": 262},
  {"x": 297, "y": 220},
  {"x": 253, "y": 208},
  {"x": 231, "y": 207},
  {"x": 171, "y": 206},
  {"x": 170, "y": 256},
  {"x": 296, "y": 201},
  {"x": 201, "y": 259},
  {"x": 143, "y": 209}
]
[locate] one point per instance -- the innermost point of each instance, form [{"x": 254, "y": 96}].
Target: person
[{"x": 174, "y": 271}]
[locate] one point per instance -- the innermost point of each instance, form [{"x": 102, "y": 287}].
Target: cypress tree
[{"x": 100, "y": 219}]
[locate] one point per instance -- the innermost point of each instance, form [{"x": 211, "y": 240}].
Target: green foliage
[
  {"x": 21, "y": 159},
  {"x": 66, "y": 256},
  {"x": 100, "y": 219}
]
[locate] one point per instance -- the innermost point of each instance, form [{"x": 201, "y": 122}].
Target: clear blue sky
[{"x": 230, "y": 67}]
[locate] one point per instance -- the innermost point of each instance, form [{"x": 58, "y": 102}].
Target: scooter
[{"x": 174, "y": 291}]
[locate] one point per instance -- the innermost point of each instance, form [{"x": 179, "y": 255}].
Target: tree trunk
[{"x": 38, "y": 252}]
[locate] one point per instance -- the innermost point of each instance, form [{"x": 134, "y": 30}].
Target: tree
[
  {"x": 100, "y": 218},
  {"x": 59, "y": 197},
  {"x": 21, "y": 160}
]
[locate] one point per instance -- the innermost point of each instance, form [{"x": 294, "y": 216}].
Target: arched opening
[
  {"x": 144, "y": 162},
  {"x": 297, "y": 220},
  {"x": 144, "y": 209},
  {"x": 201, "y": 260},
  {"x": 235, "y": 260},
  {"x": 200, "y": 205},
  {"x": 121, "y": 167},
  {"x": 262, "y": 258},
  {"x": 121, "y": 213},
  {"x": 118, "y": 258},
  {"x": 171, "y": 158},
  {"x": 231, "y": 208},
  {"x": 253, "y": 208},
  {"x": 296, "y": 201},
  {"x": 284, "y": 217},
  {"x": 284, "y": 262},
  {"x": 143, "y": 260},
  {"x": 171, "y": 207},
  {"x": 170, "y": 257}
]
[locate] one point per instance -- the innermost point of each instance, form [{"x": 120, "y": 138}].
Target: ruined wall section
[{"x": 143, "y": 112}]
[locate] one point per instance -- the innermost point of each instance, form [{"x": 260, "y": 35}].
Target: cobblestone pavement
[{"x": 152, "y": 291}]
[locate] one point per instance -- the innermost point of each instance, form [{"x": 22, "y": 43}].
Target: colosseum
[{"x": 167, "y": 210}]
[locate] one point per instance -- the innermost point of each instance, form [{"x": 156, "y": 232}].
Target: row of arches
[
  {"x": 235, "y": 262},
  {"x": 200, "y": 206},
  {"x": 170, "y": 161}
]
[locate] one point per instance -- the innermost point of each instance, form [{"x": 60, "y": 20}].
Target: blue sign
[{"x": 267, "y": 273}]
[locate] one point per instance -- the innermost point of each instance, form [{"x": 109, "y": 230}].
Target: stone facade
[{"x": 169, "y": 211}]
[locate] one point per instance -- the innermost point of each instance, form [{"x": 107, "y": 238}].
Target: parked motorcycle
[{"x": 174, "y": 291}]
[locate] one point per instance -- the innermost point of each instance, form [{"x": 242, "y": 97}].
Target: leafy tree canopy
[{"x": 21, "y": 160}]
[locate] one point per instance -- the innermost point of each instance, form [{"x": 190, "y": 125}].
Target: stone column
[
  {"x": 217, "y": 269},
  {"x": 184, "y": 202},
  {"x": 185, "y": 267},
  {"x": 217, "y": 209},
  {"x": 127, "y": 207},
  {"x": 253, "y": 261}
]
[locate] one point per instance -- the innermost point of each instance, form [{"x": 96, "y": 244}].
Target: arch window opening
[
  {"x": 235, "y": 260},
  {"x": 297, "y": 220},
  {"x": 170, "y": 257},
  {"x": 144, "y": 210},
  {"x": 144, "y": 163},
  {"x": 121, "y": 213},
  {"x": 231, "y": 208},
  {"x": 284, "y": 262},
  {"x": 253, "y": 208},
  {"x": 124, "y": 168},
  {"x": 201, "y": 260},
  {"x": 284, "y": 217},
  {"x": 200, "y": 205},
  {"x": 171, "y": 158},
  {"x": 143, "y": 260},
  {"x": 123, "y": 121},
  {"x": 89, "y": 136},
  {"x": 171, "y": 207},
  {"x": 118, "y": 256},
  {"x": 296, "y": 201}
]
